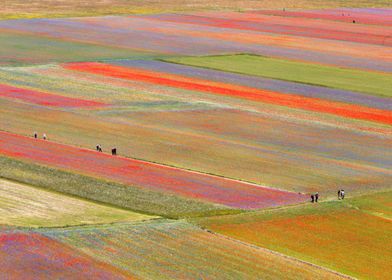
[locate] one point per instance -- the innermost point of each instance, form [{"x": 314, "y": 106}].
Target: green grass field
[
  {"x": 23, "y": 205},
  {"x": 349, "y": 236},
  {"x": 348, "y": 79},
  {"x": 127, "y": 197}
]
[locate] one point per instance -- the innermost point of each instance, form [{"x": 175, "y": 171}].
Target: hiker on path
[
  {"x": 99, "y": 148},
  {"x": 312, "y": 198},
  {"x": 339, "y": 194},
  {"x": 316, "y": 197},
  {"x": 342, "y": 194},
  {"x": 35, "y": 135},
  {"x": 114, "y": 151},
  {"x": 44, "y": 136}
]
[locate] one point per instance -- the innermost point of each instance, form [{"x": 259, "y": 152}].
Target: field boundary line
[
  {"x": 152, "y": 163},
  {"x": 279, "y": 254},
  {"x": 84, "y": 227}
]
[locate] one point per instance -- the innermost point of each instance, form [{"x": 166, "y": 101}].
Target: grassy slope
[
  {"x": 63, "y": 8},
  {"x": 164, "y": 249},
  {"x": 22, "y": 205},
  {"x": 334, "y": 234},
  {"x": 23, "y": 49},
  {"x": 155, "y": 203},
  {"x": 348, "y": 79}
]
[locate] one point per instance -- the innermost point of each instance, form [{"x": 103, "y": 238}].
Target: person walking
[
  {"x": 339, "y": 194},
  {"x": 316, "y": 197},
  {"x": 35, "y": 135},
  {"x": 44, "y": 136},
  {"x": 312, "y": 198},
  {"x": 342, "y": 194}
]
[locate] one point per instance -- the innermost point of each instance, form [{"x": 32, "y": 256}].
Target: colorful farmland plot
[
  {"x": 349, "y": 236},
  {"x": 141, "y": 174},
  {"x": 109, "y": 193},
  {"x": 327, "y": 76},
  {"x": 22, "y": 205},
  {"x": 167, "y": 249},
  {"x": 34, "y": 256},
  {"x": 63, "y": 8},
  {"x": 351, "y": 111},
  {"x": 44, "y": 50},
  {"x": 255, "y": 148},
  {"x": 187, "y": 145},
  {"x": 44, "y": 99}
]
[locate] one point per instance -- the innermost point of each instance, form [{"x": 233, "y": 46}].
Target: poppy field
[
  {"x": 225, "y": 118},
  {"x": 347, "y": 236}
]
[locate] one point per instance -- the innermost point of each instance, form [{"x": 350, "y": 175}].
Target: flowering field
[
  {"x": 225, "y": 121},
  {"x": 146, "y": 175},
  {"x": 265, "y": 96},
  {"x": 331, "y": 77},
  {"x": 145, "y": 201},
  {"x": 44, "y": 99},
  {"x": 349, "y": 236},
  {"x": 34, "y": 256},
  {"x": 165, "y": 249},
  {"x": 73, "y": 8}
]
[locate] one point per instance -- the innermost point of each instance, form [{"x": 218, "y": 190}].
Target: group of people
[
  {"x": 315, "y": 197},
  {"x": 98, "y": 147},
  {"x": 43, "y": 136}
]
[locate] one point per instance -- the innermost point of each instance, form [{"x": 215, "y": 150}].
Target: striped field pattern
[
  {"x": 225, "y": 120},
  {"x": 166, "y": 249}
]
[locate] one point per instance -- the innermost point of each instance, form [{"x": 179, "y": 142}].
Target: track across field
[{"x": 146, "y": 175}]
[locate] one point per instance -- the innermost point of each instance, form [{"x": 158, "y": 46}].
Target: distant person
[
  {"x": 97, "y": 147},
  {"x": 316, "y": 197},
  {"x": 342, "y": 194},
  {"x": 312, "y": 198},
  {"x": 339, "y": 194},
  {"x": 44, "y": 136},
  {"x": 35, "y": 135},
  {"x": 114, "y": 151}
]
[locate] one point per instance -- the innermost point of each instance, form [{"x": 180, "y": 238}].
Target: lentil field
[{"x": 225, "y": 118}]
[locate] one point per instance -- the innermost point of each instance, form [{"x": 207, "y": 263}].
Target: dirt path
[{"x": 145, "y": 174}]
